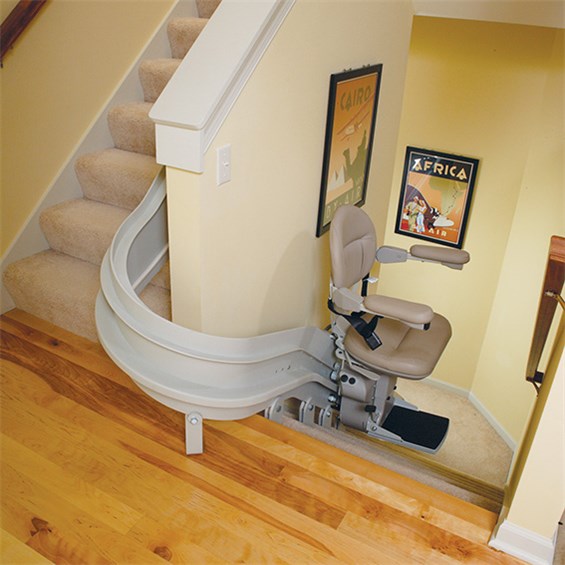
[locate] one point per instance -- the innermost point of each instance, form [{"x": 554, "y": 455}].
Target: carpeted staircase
[{"x": 61, "y": 284}]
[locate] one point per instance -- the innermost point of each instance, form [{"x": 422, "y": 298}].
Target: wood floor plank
[
  {"x": 14, "y": 552},
  {"x": 230, "y": 535},
  {"x": 404, "y": 485},
  {"x": 134, "y": 408},
  {"x": 82, "y": 452},
  {"x": 32, "y": 324},
  {"x": 350, "y": 486},
  {"x": 58, "y": 531},
  {"x": 440, "y": 546},
  {"x": 173, "y": 543},
  {"x": 93, "y": 459},
  {"x": 94, "y": 471},
  {"x": 67, "y": 346},
  {"x": 54, "y": 478},
  {"x": 230, "y": 457}
]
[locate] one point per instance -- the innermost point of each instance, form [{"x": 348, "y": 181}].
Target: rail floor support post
[{"x": 193, "y": 433}]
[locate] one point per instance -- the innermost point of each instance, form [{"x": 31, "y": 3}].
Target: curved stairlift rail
[{"x": 200, "y": 375}]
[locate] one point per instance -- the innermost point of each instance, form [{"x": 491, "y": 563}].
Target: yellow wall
[
  {"x": 6, "y": 6},
  {"x": 488, "y": 91},
  {"x": 54, "y": 83},
  {"x": 499, "y": 379},
  {"x": 537, "y": 487},
  {"x": 260, "y": 267}
]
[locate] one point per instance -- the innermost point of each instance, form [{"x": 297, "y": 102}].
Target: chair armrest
[
  {"x": 454, "y": 258},
  {"x": 411, "y": 313}
]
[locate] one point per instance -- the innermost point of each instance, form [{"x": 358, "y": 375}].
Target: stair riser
[
  {"x": 154, "y": 76},
  {"x": 80, "y": 232},
  {"x": 132, "y": 129},
  {"x": 207, "y": 7},
  {"x": 115, "y": 177},
  {"x": 57, "y": 288},
  {"x": 183, "y": 33}
]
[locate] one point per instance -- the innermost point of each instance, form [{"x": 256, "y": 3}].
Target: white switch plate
[{"x": 223, "y": 164}]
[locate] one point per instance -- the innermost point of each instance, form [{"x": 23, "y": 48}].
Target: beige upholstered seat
[{"x": 405, "y": 352}]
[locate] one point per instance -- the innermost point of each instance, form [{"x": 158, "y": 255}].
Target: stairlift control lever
[{"x": 390, "y": 254}]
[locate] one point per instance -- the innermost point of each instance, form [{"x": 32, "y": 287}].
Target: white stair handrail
[{"x": 199, "y": 96}]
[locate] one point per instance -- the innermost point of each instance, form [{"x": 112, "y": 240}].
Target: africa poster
[{"x": 435, "y": 196}]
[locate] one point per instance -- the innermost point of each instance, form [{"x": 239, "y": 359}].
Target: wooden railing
[
  {"x": 16, "y": 22},
  {"x": 550, "y": 299}
]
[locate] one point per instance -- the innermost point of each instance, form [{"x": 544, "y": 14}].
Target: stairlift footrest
[{"x": 413, "y": 428}]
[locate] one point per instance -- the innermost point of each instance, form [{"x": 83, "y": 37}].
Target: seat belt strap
[{"x": 365, "y": 329}]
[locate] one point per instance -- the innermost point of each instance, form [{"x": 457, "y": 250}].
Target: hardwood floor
[{"x": 93, "y": 471}]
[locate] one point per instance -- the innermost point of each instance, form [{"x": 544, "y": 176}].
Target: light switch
[{"x": 223, "y": 164}]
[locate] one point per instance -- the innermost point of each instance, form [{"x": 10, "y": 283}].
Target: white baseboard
[
  {"x": 510, "y": 442},
  {"x": 448, "y": 386},
  {"x": 524, "y": 544}
]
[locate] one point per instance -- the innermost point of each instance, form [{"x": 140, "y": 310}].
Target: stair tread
[
  {"x": 163, "y": 277},
  {"x": 116, "y": 177},
  {"x": 62, "y": 289},
  {"x": 82, "y": 228},
  {"x": 158, "y": 299}
]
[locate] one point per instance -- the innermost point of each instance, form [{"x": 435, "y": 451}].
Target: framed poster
[
  {"x": 350, "y": 128},
  {"x": 435, "y": 196}
]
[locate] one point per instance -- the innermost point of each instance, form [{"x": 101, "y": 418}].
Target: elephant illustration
[{"x": 356, "y": 170}]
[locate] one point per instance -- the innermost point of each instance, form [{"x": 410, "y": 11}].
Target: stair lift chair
[{"x": 379, "y": 339}]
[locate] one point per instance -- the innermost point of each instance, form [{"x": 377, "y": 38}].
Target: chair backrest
[{"x": 353, "y": 244}]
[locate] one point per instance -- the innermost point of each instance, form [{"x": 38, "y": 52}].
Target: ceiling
[{"x": 544, "y": 13}]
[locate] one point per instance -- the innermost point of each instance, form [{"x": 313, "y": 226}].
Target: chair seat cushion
[{"x": 405, "y": 352}]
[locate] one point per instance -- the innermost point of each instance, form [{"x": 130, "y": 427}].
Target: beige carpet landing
[{"x": 60, "y": 284}]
